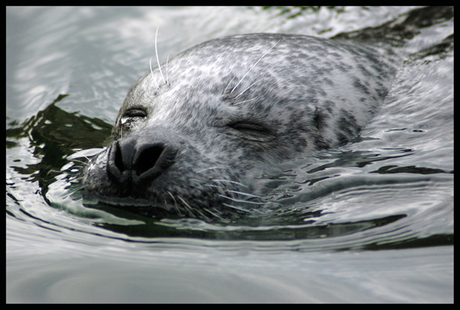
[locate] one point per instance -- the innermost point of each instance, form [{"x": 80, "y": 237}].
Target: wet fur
[{"x": 231, "y": 105}]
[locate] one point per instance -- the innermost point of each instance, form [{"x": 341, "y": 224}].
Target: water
[{"x": 368, "y": 222}]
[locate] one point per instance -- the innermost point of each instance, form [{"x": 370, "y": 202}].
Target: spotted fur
[{"x": 189, "y": 132}]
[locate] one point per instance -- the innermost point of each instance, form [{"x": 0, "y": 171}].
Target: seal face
[{"x": 190, "y": 135}]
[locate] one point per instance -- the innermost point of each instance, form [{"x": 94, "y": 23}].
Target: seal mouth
[
  {"x": 132, "y": 205},
  {"x": 126, "y": 202},
  {"x": 166, "y": 209}
]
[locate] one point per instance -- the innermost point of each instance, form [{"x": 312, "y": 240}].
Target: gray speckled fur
[{"x": 304, "y": 94}]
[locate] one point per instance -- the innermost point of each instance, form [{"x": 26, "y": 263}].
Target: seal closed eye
[
  {"x": 252, "y": 131},
  {"x": 191, "y": 134}
]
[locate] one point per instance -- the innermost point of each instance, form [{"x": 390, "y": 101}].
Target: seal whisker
[
  {"x": 244, "y": 194},
  {"x": 211, "y": 168},
  {"x": 217, "y": 216},
  {"x": 225, "y": 90},
  {"x": 233, "y": 182},
  {"x": 244, "y": 101},
  {"x": 245, "y": 90},
  {"x": 166, "y": 69},
  {"x": 175, "y": 202},
  {"x": 250, "y": 69},
  {"x": 241, "y": 102},
  {"x": 150, "y": 63},
  {"x": 81, "y": 161},
  {"x": 186, "y": 206},
  {"x": 191, "y": 210},
  {"x": 77, "y": 189},
  {"x": 236, "y": 208},
  {"x": 151, "y": 72},
  {"x": 242, "y": 200},
  {"x": 158, "y": 59}
]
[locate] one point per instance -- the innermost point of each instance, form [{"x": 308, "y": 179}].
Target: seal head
[{"x": 192, "y": 134}]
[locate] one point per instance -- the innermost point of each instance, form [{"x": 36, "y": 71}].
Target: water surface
[{"x": 371, "y": 221}]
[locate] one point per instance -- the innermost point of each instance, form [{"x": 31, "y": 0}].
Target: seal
[{"x": 192, "y": 134}]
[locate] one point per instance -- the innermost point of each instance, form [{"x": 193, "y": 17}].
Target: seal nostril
[
  {"x": 152, "y": 160},
  {"x": 117, "y": 168},
  {"x": 148, "y": 158},
  {"x": 134, "y": 162},
  {"x": 118, "y": 159}
]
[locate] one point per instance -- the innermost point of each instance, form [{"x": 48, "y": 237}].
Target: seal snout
[{"x": 134, "y": 161}]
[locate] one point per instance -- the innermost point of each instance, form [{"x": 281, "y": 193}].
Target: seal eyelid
[
  {"x": 131, "y": 116},
  {"x": 135, "y": 112},
  {"x": 252, "y": 131},
  {"x": 249, "y": 126}
]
